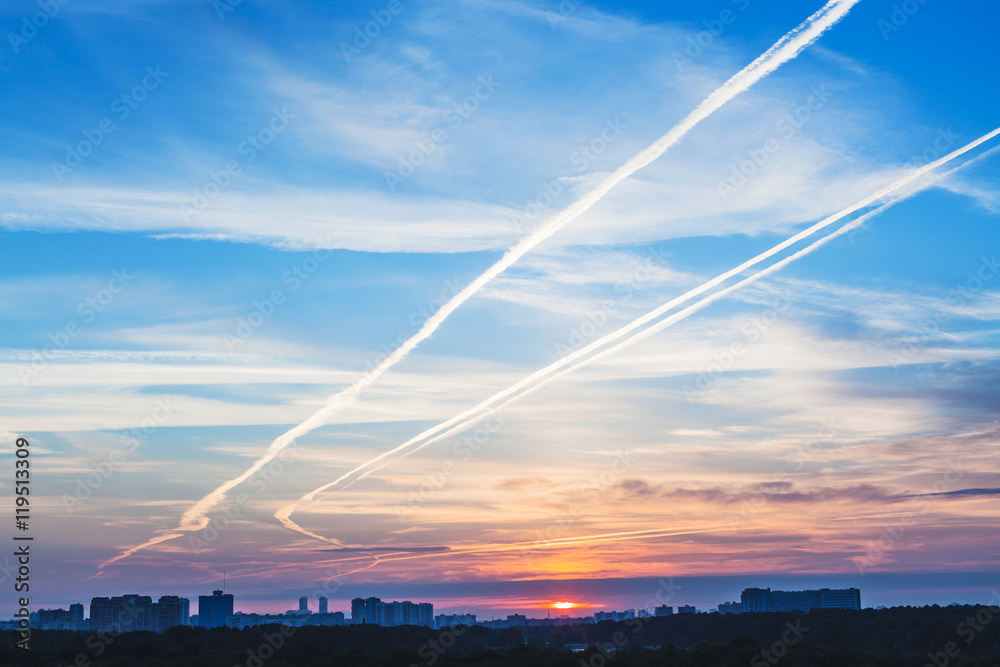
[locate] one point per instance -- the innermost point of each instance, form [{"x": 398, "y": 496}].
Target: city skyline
[
  {"x": 694, "y": 594},
  {"x": 132, "y": 612},
  {"x": 362, "y": 298}
]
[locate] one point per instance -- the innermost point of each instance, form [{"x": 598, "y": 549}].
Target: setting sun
[{"x": 564, "y": 605}]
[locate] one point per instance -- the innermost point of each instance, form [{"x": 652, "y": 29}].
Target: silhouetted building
[
  {"x": 171, "y": 611},
  {"x": 303, "y": 604},
  {"x": 451, "y": 620},
  {"x": 126, "y": 613},
  {"x": 731, "y": 608},
  {"x": 129, "y": 613},
  {"x": 764, "y": 599},
  {"x": 214, "y": 609},
  {"x": 663, "y": 610},
  {"x": 61, "y": 619},
  {"x": 613, "y": 615},
  {"x": 358, "y": 611},
  {"x": 323, "y": 606},
  {"x": 374, "y": 610},
  {"x": 686, "y": 609}
]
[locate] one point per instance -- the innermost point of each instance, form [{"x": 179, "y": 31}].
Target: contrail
[
  {"x": 556, "y": 543},
  {"x": 785, "y": 49},
  {"x": 580, "y": 357}
]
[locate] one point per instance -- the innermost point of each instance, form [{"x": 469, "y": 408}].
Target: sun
[{"x": 564, "y": 605}]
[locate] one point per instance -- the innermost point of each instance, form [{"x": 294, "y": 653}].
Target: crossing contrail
[
  {"x": 785, "y": 49},
  {"x": 621, "y": 337}
]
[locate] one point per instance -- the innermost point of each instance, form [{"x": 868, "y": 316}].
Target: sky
[{"x": 217, "y": 215}]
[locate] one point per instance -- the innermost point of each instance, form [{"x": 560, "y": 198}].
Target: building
[
  {"x": 686, "y": 609},
  {"x": 731, "y": 608},
  {"x": 613, "y": 615},
  {"x": 756, "y": 599},
  {"x": 517, "y": 621},
  {"x": 663, "y": 610},
  {"x": 451, "y": 620},
  {"x": 295, "y": 618},
  {"x": 171, "y": 611},
  {"x": 129, "y": 613},
  {"x": 336, "y": 618},
  {"x": 214, "y": 610},
  {"x": 303, "y": 604},
  {"x": 125, "y": 613},
  {"x": 764, "y": 599},
  {"x": 61, "y": 619},
  {"x": 323, "y": 609},
  {"x": 374, "y": 610}
]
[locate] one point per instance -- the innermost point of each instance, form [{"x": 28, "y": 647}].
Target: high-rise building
[
  {"x": 614, "y": 615},
  {"x": 171, "y": 611},
  {"x": 756, "y": 599},
  {"x": 214, "y": 609},
  {"x": 126, "y": 613},
  {"x": 452, "y": 620},
  {"x": 374, "y": 610},
  {"x": 358, "y": 611},
  {"x": 730, "y": 607},
  {"x": 60, "y": 619},
  {"x": 686, "y": 609},
  {"x": 303, "y": 603},
  {"x": 135, "y": 612},
  {"x": 323, "y": 609},
  {"x": 425, "y": 614},
  {"x": 764, "y": 599},
  {"x": 663, "y": 610}
]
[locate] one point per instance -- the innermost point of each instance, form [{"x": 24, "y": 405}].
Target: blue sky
[{"x": 236, "y": 214}]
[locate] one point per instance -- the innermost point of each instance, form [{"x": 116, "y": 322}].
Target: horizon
[
  {"x": 595, "y": 595},
  {"x": 530, "y": 299}
]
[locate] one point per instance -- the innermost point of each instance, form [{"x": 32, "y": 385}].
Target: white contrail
[
  {"x": 580, "y": 357},
  {"x": 785, "y": 49}
]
